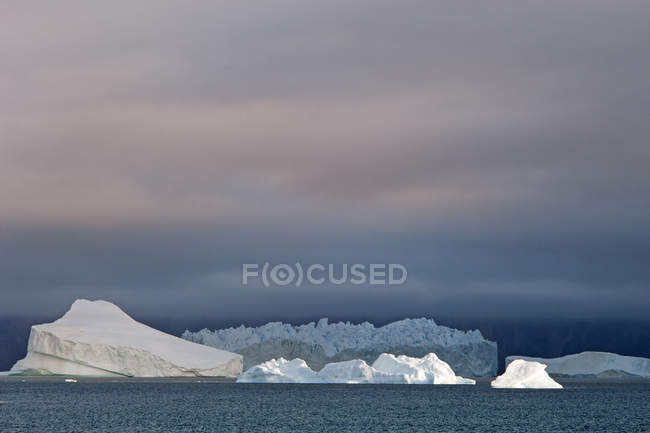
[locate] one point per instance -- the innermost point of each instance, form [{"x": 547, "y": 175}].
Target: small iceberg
[
  {"x": 280, "y": 371},
  {"x": 387, "y": 369},
  {"x": 525, "y": 374},
  {"x": 71, "y": 380}
]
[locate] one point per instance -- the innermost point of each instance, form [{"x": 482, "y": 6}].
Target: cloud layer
[{"x": 498, "y": 150}]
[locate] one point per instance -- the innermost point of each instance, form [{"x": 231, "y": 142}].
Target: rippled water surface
[{"x": 170, "y": 406}]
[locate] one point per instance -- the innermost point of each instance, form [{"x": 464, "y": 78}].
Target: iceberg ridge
[{"x": 321, "y": 343}]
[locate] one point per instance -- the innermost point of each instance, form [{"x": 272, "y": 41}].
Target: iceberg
[
  {"x": 428, "y": 369},
  {"x": 96, "y": 338},
  {"x": 280, "y": 371},
  {"x": 387, "y": 368},
  {"x": 525, "y": 374},
  {"x": 599, "y": 364},
  {"x": 467, "y": 352}
]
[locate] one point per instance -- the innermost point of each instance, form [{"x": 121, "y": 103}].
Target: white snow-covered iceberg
[
  {"x": 428, "y": 369},
  {"x": 280, "y": 371},
  {"x": 96, "y": 338},
  {"x": 600, "y": 364},
  {"x": 525, "y": 374},
  {"x": 387, "y": 368}
]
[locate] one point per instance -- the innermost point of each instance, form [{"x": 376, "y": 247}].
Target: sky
[{"x": 498, "y": 150}]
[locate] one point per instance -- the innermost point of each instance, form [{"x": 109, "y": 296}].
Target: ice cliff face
[
  {"x": 387, "y": 368},
  {"x": 525, "y": 374},
  {"x": 468, "y": 353},
  {"x": 96, "y": 338},
  {"x": 599, "y": 364}
]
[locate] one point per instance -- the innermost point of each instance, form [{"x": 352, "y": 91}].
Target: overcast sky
[{"x": 499, "y": 150}]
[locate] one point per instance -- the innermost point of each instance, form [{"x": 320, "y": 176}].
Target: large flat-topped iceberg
[
  {"x": 467, "y": 352},
  {"x": 96, "y": 338},
  {"x": 386, "y": 369},
  {"x": 601, "y": 364},
  {"x": 525, "y": 374}
]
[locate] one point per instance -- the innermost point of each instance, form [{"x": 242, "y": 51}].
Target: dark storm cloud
[{"x": 500, "y": 150}]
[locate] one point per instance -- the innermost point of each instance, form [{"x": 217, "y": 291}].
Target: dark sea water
[{"x": 183, "y": 406}]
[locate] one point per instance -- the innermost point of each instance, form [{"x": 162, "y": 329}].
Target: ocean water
[{"x": 210, "y": 406}]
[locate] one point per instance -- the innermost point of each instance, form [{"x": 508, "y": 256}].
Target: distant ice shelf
[
  {"x": 318, "y": 344},
  {"x": 598, "y": 364},
  {"x": 96, "y": 338},
  {"x": 525, "y": 374},
  {"x": 387, "y": 369}
]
